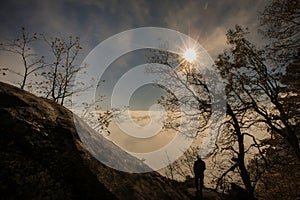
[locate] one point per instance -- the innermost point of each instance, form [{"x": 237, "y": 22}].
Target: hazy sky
[{"x": 95, "y": 20}]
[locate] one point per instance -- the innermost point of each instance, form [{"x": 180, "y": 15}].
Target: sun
[{"x": 189, "y": 55}]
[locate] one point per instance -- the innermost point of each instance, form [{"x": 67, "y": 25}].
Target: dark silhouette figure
[{"x": 199, "y": 167}]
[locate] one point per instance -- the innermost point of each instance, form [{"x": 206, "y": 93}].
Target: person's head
[{"x": 198, "y": 157}]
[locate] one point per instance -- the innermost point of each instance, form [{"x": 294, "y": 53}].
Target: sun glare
[{"x": 189, "y": 55}]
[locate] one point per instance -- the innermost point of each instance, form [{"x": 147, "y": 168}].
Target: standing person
[{"x": 199, "y": 168}]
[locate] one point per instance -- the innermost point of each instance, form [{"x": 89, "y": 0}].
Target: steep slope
[{"x": 42, "y": 157}]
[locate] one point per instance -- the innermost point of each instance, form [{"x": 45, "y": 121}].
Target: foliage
[
  {"x": 280, "y": 176},
  {"x": 280, "y": 22},
  {"x": 262, "y": 96}
]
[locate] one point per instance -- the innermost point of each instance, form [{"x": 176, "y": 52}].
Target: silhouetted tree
[
  {"x": 60, "y": 74},
  {"x": 279, "y": 179},
  {"x": 22, "y": 47},
  {"x": 240, "y": 117},
  {"x": 255, "y": 98},
  {"x": 182, "y": 167},
  {"x": 280, "y": 24}
]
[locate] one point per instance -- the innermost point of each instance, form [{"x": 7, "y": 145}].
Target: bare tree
[
  {"x": 90, "y": 112},
  {"x": 22, "y": 47},
  {"x": 60, "y": 74},
  {"x": 182, "y": 167},
  {"x": 184, "y": 77}
]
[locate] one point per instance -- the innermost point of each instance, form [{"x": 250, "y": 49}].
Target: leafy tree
[
  {"x": 237, "y": 122},
  {"x": 256, "y": 82},
  {"x": 279, "y": 178},
  {"x": 255, "y": 98},
  {"x": 263, "y": 92},
  {"x": 280, "y": 172},
  {"x": 280, "y": 24}
]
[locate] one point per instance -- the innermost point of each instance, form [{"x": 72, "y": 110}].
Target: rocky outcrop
[{"x": 42, "y": 157}]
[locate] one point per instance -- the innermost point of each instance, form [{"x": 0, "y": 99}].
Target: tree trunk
[
  {"x": 294, "y": 142},
  {"x": 54, "y": 82},
  {"x": 24, "y": 80},
  {"x": 241, "y": 153}
]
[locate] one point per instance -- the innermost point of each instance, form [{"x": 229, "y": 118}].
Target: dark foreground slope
[{"x": 42, "y": 157}]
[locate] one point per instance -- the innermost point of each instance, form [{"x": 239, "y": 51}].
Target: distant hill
[{"x": 42, "y": 157}]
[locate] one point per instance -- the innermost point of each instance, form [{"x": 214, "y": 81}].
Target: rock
[
  {"x": 237, "y": 193},
  {"x": 207, "y": 194},
  {"x": 42, "y": 157}
]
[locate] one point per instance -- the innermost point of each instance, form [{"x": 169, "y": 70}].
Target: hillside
[{"x": 42, "y": 157}]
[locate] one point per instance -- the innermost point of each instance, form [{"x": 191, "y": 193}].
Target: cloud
[
  {"x": 8, "y": 60},
  {"x": 140, "y": 145},
  {"x": 95, "y": 21},
  {"x": 209, "y": 20}
]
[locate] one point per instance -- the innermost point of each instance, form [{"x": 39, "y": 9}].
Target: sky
[{"x": 94, "y": 21}]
